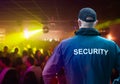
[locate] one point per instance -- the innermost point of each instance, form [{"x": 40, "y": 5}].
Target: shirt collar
[{"x": 87, "y": 32}]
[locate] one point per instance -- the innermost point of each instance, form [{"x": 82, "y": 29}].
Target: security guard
[{"x": 87, "y": 58}]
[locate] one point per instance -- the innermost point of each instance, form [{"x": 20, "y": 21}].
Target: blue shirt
[{"x": 87, "y": 58}]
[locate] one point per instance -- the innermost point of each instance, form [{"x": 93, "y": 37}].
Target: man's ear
[
  {"x": 95, "y": 23},
  {"x": 79, "y": 22}
]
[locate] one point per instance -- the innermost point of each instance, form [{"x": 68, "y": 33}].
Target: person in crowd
[
  {"x": 39, "y": 58},
  {"x": 33, "y": 74},
  {"x": 24, "y": 55},
  {"x": 87, "y": 58},
  {"x": 20, "y": 67},
  {"x": 30, "y": 52},
  {"x": 14, "y": 55},
  {"x": 5, "y": 52},
  {"x": 45, "y": 58},
  {"x": 8, "y": 75}
]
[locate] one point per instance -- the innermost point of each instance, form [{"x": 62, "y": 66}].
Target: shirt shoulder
[{"x": 68, "y": 40}]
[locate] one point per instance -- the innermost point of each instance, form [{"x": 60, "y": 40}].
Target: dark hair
[
  {"x": 18, "y": 61},
  {"x": 30, "y": 78},
  {"x": 5, "y": 60},
  {"x": 31, "y": 60},
  {"x": 11, "y": 77},
  {"x": 25, "y": 52},
  {"x": 5, "y": 47},
  {"x": 36, "y": 52}
]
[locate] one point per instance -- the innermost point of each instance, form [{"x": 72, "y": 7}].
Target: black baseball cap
[{"x": 87, "y": 14}]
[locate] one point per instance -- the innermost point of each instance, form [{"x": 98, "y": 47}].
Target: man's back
[{"x": 88, "y": 59}]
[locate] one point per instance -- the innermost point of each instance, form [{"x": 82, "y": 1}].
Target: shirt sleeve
[{"x": 53, "y": 66}]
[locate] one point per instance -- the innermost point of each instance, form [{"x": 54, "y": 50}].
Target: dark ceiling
[{"x": 57, "y": 9}]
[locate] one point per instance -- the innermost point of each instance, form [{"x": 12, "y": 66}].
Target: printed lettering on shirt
[{"x": 84, "y": 51}]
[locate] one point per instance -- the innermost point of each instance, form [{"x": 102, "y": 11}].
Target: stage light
[
  {"x": 45, "y": 29},
  {"x": 28, "y": 34},
  {"x": 34, "y": 49},
  {"x": 24, "y": 48},
  {"x": 28, "y": 46},
  {"x": 50, "y": 39},
  {"x": 41, "y": 50}
]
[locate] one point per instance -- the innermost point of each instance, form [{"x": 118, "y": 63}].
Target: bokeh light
[{"x": 109, "y": 36}]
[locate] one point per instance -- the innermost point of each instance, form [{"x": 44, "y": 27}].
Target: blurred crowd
[
  {"x": 27, "y": 67},
  {"x": 24, "y": 68}
]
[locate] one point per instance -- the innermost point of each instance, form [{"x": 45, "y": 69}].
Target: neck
[{"x": 86, "y": 26}]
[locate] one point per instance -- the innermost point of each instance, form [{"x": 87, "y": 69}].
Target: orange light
[{"x": 109, "y": 36}]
